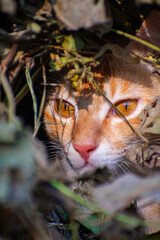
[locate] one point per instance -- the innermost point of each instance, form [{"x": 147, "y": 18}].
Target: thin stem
[
  {"x": 30, "y": 85},
  {"x": 8, "y": 91},
  {"x": 150, "y": 45},
  {"x": 42, "y": 102}
]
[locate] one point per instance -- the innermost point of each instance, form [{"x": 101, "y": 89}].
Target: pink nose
[{"x": 85, "y": 150}]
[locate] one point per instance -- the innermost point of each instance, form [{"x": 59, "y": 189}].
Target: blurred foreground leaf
[
  {"x": 18, "y": 159},
  {"x": 74, "y": 15},
  {"x": 117, "y": 195}
]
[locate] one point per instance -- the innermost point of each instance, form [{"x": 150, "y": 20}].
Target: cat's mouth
[{"x": 87, "y": 168}]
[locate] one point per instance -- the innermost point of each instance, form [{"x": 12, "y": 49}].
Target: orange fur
[
  {"x": 125, "y": 87},
  {"x": 113, "y": 86}
]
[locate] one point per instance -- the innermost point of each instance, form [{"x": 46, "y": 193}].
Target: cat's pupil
[
  {"x": 67, "y": 108},
  {"x": 126, "y": 105},
  {"x": 64, "y": 108}
]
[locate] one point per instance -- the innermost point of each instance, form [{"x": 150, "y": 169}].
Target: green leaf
[
  {"x": 55, "y": 66},
  {"x": 69, "y": 43},
  {"x": 64, "y": 60},
  {"x": 72, "y": 43}
]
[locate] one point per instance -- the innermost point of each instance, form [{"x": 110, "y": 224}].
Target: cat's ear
[{"x": 150, "y": 32}]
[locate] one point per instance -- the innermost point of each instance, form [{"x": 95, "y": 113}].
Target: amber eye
[
  {"x": 126, "y": 106},
  {"x": 64, "y": 108}
]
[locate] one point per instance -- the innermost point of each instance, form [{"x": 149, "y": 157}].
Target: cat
[
  {"x": 88, "y": 132},
  {"x": 89, "y": 129}
]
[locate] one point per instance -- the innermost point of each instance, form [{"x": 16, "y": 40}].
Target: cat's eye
[
  {"x": 64, "y": 108},
  {"x": 126, "y": 106}
]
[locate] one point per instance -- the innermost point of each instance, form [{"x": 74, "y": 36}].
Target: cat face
[{"x": 91, "y": 133}]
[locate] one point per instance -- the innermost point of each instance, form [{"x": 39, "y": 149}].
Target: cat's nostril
[{"x": 85, "y": 150}]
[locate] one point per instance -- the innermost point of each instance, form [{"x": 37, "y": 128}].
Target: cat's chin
[{"x": 86, "y": 170}]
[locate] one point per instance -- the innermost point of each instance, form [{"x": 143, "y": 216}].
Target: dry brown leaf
[
  {"x": 46, "y": 10},
  {"x": 150, "y": 117},
  {"x": 74, "y": 15},
  {"x": 142, "y": 154}
]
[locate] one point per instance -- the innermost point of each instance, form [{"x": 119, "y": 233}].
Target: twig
[
  {"x": 150, "y": 45},
  {"x": 42, "y": 101},
  {"x": 9, "y": 95},
  {"x": 30, "y": 85},
  {"x": 9, "y": 57}
]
